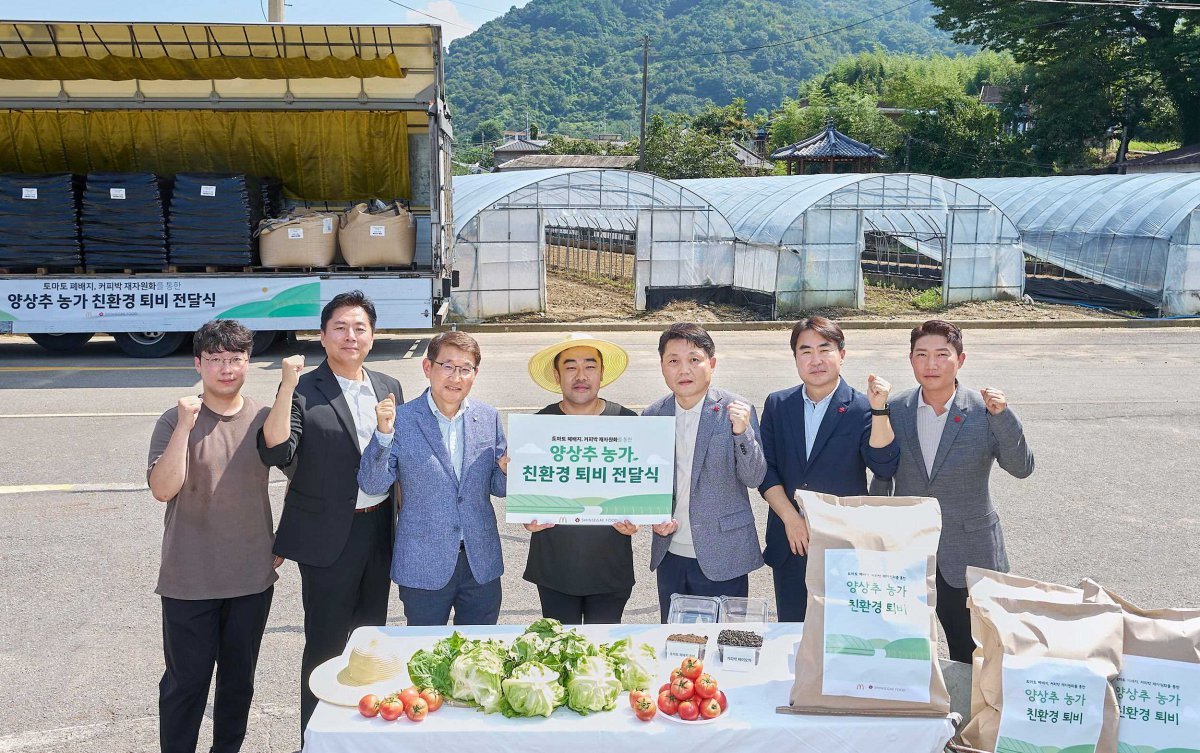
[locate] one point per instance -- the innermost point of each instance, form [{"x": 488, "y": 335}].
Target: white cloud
[{"x": 456, "y": 25}]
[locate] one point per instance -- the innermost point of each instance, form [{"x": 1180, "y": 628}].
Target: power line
[
  {"x": 429, "y": 15},
  {"x": 793, "y": 41},
  {"x": 1137, "y": 4},
  {"x": 262, "y": 6}
]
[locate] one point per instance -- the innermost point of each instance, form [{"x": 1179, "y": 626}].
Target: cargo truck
[{"x": 339, "y": 114}]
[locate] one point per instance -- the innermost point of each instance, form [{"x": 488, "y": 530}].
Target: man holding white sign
[{"x": 584, "y": 573}]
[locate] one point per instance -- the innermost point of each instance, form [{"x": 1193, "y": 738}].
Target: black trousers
[
  {"x": 198, "y": 635},
  {"x": 952, "y": 612},
  {"x": 350, "y": 593},
  {"x": 593, "y": 609}
]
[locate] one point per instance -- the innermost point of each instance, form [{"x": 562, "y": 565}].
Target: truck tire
[
  {"x": 263, "y": 340},
  {"x": 149, "y": 344},
  {"x": 65, "y": 342}
]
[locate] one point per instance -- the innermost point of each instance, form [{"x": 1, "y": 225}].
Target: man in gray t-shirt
[{"x": 217, "y": 573}]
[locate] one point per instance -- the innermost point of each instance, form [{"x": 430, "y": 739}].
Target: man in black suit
[{"x": 340, "y": 537}]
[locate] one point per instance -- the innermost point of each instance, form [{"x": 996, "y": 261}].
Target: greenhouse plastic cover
[{"x": 1138, "y": 233}]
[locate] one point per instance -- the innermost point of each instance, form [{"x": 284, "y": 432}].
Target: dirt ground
[{"x": 572, "y": 297}]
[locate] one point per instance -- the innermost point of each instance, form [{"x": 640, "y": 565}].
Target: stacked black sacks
[
  {"x": 123, "y": 222},
  {"x": 213, "y": 217},
  {"x": 39, "y": 221}
]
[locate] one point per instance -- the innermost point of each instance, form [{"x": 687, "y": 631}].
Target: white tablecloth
[{"x": 750, "y": 724}]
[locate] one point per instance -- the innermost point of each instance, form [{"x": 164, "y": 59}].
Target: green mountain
[{"x": 574, "y": 66}]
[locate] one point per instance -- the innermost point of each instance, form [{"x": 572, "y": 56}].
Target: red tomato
[
  {"x": 418, "y": 710},
  {"x": 688, "y": 711},
  {"x": 676, "y": 673},
  {"x": 721, "y": 699},
  {"x": 665, "y": 686},
  {"x": 368, "y": 706},
  {"x": 432, "y": 697},
  {"x": 692, "y": 668},
  {"x": 667, "y": 703},
  {"x": 408, "y": 695},
  {"x": 645, "y": 709},
  {"x": 709, "y": 708},
  {"x": 683, "y": 688},
  {"x": 391, "y": 709},
  {"x": 635, "y": 696},
  {"x": 706, "y": 686}
]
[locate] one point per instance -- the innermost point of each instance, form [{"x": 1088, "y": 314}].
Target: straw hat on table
[{"x": 370, "y": 668}]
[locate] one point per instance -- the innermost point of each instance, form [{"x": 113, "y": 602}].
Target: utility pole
[
  {"x": 642, "y": 137},
  {"x": 275, "y": 12}
]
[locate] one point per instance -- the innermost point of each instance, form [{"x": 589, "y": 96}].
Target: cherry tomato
[
  {"x": 721, "y": 699},
  {"x": 368, "y": 706},
  {"x": 391, "y": 709},
  {"x": 692, "y": 668},
  {"x": 408, "y": 695},
  {"x": 417, "y": 710},
  {"x": 433, "y": 697},
  {"x": 635, "y": 696},
  {"x": 667, "y": 703},
  {"x": 709, "y": 708},
  {"x": 706, "y": 686},
  {"x": 688, "y": 711},
  {"x": 683, "y": 688},
  {"x": 645, "y": 709}
]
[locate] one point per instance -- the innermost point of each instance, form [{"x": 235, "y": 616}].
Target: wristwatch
[{"x": 884, "y": 411}]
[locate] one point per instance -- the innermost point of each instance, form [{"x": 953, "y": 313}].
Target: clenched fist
[
  {"x": 385, "y": 414},
  {"x": 994, "y": 400},
  {"x": 188, "y": 409},
  {"x": 739, "y": 417},
  {"x": 291, "y": 368},
  {"x": 878, "y": 390}
]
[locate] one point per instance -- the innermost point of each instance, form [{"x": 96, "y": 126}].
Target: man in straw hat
[
  {"x": 584, "y": 574},
  {"x": 217, "y": 574},
  {"x": 711, "y": 545}
]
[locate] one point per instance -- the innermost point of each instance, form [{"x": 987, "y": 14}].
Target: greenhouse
[
  {"x": 672, "y": 238},
  {"x": 800, "y": 239},
  {"x": 1137, "y": 233}
]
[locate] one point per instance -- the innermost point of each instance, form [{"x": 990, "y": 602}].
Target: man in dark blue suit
[{"x": 822, "y": 436}]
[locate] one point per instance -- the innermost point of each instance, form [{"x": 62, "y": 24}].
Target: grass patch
[{"x": 928, "y": 300}]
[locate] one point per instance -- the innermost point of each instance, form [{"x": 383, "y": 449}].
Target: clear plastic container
[
  {"x": 688, "y": 610},
  {"x": 751, "y": 613}
]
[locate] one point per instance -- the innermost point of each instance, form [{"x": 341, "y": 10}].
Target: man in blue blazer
[
  {"x": 822, "y": 436},
  {"x": 449, "y": 460},
  {"x": 711, "y": 544}
]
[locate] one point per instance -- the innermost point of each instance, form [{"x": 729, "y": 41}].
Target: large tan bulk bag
[
  {"x": 1046, "y": 677},
  {"x": 870, "y": 636},
  {"x": 383, "y": 238},
  {"x": 1158, "y": 690},
  {"x": 307, "y": 239},
  {"x": 989, "y": 584}
]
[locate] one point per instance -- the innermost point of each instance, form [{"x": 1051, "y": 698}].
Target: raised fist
[
  {"x": 189, "y": 409},
  {"x": 291, "y": 368},
  {"x": 739, "y": 417},
  {"x": 385, "y": 414},
  {"x": 878, "y": 390},
  {"x": 994, "y": 400}
]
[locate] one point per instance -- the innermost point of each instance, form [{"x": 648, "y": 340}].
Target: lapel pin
[
  {"x": 958, "y": 419},
  {"x": 841, "y": 409},
  {"x": 716, "y": 409}
]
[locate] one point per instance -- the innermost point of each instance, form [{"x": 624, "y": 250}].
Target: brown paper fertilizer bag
[
  {"x": 870, "y": 637},
  {"x": 1046, "y": 677},
  {"x": 989, "y": 584},
  {"x": 1158, "y": 690}
]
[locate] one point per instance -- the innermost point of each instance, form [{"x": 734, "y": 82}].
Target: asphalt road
[{"x": 1113, "y": 417}]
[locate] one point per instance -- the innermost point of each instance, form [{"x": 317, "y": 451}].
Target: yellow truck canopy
[{"x": 330, "y": 110}]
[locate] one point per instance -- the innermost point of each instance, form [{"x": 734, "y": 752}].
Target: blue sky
[{"x": 460, "y": 17}]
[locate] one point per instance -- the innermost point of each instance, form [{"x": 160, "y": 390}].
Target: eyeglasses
[
  {"x": 236, "y": 362},
  {"x": 450, "y": 369}
]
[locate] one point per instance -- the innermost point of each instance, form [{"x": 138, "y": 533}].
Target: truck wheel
[
  {"x": 149, "y": 344},
  {"x": 62, "y": 343},
  {"x": 263, "y": 340}
]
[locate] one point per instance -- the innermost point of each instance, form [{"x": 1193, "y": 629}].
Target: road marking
[
  {"x": 96, "y": 368},
  {"x": 77, "y": 415},
  {"x": 86, "y": 488}
]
